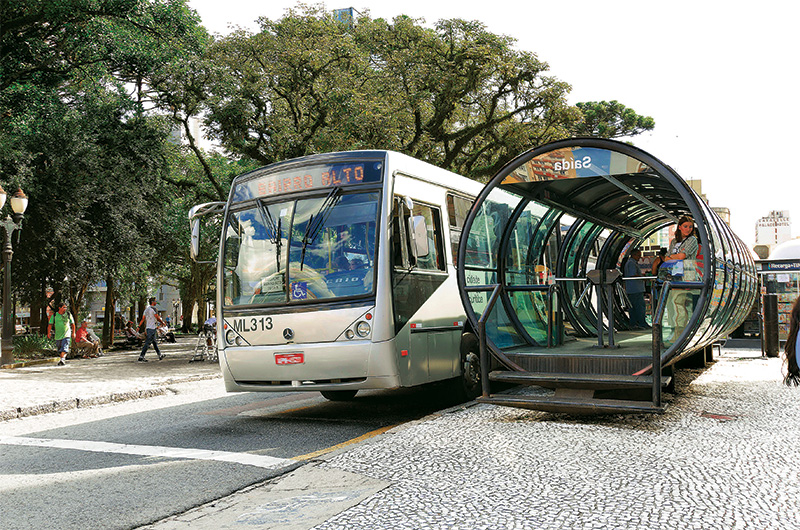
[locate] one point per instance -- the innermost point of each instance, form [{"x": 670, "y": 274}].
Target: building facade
[{"x": 774, "y": 229}]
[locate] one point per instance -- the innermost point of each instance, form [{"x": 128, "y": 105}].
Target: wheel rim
[{"x": 472, "y": 370}]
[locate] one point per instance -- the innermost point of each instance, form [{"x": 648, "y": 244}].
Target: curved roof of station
[
  {"x": 610, "y": 188},
  {"x": 786, "y": 250}
]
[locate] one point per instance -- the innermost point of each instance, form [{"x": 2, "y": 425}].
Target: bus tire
[
  {"x": 339, "y": 395},
  {"x": 469, "y": 382}
]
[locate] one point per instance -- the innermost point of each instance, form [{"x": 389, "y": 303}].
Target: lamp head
[
  {"x": 3, "y": 196},
  {"x": 19, "y": 202}
]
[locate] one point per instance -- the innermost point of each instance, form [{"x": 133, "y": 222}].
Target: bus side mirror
[
  {"x": 418, "y": 231},
  {"x": 195, "y": 214},
  {"x": 194, "y": 248}
]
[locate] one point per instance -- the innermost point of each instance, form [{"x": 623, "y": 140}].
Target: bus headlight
[
  {"x": 349, "y": 334},
  {"x": 362, "y": 329},
  {"x": 230, "y": 336}
]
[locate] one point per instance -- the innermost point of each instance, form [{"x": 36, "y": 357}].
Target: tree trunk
[
  {"x": 188, "y": 309},
  {"x": 142, "y": 305},
  {"x": 109, "y": 314},
  {"x": 37, "y": 303},
  {"x": 75, "y": 300}
]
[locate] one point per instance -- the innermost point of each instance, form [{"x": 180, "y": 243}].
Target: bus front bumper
[{"x": 350, "y": 365}]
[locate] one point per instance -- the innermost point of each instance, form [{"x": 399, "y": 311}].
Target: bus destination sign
[{"x": 309, "y": 178}]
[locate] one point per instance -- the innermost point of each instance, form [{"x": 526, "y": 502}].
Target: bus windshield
[{"x": 299, "y": 250}]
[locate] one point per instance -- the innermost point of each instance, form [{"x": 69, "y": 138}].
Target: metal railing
[
  {"x": 552, "y": 291},
  {"x": 658, "y": 334}
]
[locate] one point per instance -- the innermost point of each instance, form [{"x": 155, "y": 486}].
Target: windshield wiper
[
  {"x": 317, "y": 221},
  {"x": 275, "y": 229}
]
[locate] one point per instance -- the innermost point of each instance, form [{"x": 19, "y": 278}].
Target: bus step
[
  {"x": 570, "y": 380},
  {"x": 574, "y": 405}
]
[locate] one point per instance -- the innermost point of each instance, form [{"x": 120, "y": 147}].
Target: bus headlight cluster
[
  {"x": 363, "y": 329},
  {"x": 360, "y": 330},
  {"x": 232, "y": 338}
]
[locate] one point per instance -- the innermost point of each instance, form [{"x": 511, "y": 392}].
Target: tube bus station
[{"x": 540, "y": 276}]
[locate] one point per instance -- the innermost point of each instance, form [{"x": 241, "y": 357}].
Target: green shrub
[{"x": 32, "y": 344}]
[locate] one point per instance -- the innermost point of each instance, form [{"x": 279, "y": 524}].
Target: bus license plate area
[{"x": 290, "y": 358}]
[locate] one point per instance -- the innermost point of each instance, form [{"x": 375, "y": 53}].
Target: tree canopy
[
  {"x": 76, "y": 135},
  {"x": 455, "y": 94},
  {"x": 92, "y": 91}
]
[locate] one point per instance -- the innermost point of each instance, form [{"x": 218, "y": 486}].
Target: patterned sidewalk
[{"x": 116, "y": 376}]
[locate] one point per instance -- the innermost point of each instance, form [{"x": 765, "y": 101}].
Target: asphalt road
[{"x": 124, "y": 466}]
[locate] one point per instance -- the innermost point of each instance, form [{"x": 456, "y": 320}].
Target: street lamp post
[{"x": 12, "y": 222}]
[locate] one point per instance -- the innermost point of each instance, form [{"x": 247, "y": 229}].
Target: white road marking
[{"x": 266, "y": 462}]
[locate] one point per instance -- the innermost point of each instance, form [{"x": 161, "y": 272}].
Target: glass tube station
[{"x": 540, "y": 276}]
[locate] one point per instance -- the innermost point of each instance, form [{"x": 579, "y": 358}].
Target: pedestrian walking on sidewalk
[
  {"x": 64, "y": 326},
  {"x": 152, "y": 319},
  {"x": 792, "y": 348}
]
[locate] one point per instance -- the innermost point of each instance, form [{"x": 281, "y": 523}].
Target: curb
[
  {"x": 33, "y": 362},
  {"x": 74, "y": 403}
]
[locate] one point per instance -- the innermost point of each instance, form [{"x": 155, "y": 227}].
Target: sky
[{"x": 719, "y": 78}]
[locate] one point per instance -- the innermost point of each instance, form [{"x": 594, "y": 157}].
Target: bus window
[
  {"x": 254, "y": 241},
  {"x": 400, "y": 251},
  {"x": 434, "y": 260},
  {"x": 327, "y": 242},
  {"x": 457, "y": 211}
]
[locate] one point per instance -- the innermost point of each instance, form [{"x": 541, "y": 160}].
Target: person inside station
[
  {"x": 659, "y": 259},
  {"x": 684, "y": 249},
  {"x": 635, "y": 290}
]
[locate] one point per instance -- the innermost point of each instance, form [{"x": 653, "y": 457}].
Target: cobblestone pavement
[
  {"x": 722, "y": 457},
  {"x": 87, "y": 382}
]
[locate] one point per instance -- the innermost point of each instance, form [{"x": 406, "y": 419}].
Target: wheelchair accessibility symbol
[{"x": 299, "y": 290}]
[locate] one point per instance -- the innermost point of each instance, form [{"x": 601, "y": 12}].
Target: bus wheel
[
  {"x": 470, "y": 380},
  {"x": 339, "y": 395}
]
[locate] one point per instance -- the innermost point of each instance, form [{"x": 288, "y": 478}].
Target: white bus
[{"x": 336, "y": 273}]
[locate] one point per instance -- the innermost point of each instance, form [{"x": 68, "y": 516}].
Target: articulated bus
[{"x": 336, "y": 273}]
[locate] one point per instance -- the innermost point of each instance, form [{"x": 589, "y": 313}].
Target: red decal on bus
[{"x": 289, "y": 358}]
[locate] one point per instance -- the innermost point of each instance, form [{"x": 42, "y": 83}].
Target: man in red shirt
[{"x": 82, "y": 340}]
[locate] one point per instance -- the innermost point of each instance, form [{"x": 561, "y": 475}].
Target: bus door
[{"x": 419, "y": 270}]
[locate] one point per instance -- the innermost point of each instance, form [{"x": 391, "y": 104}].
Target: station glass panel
[
  {"x": 487, "y": 229},
  {"x": 522, "y": 268}
]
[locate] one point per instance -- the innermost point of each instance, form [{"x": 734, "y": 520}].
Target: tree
[
  {"x": 48, "y": 44},
  {"x": 194, "y": 279},
  {"x": 610, "y": 119},
  {"x": 83, "y": 148},
  {"x": 99, "y": 199},
  {"x": 455, "y": 95}
]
